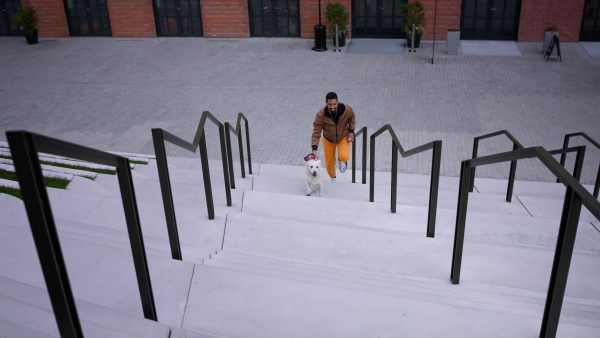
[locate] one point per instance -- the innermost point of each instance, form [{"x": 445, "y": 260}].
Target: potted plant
[
  {"x": 549, "y": 32},
  {"x": 336, "y": 14},
  {"x": 452, "y": 40},
  {"x": 413, "y": 13},
  {"x": 27, "y": 19}
]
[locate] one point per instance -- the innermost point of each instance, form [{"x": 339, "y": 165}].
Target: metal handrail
[
  {"x": 435, "y": 172},
  {"x": 575, "y": 197},
  {"x": 237, "y": 132},
  {"x": 592, "y": 141},
  {"x": 362, "y": 131},
  {"x": 159, "y": 136},
  {"x": 24, "y": 147},
  {"x": 513, "y": 165}
]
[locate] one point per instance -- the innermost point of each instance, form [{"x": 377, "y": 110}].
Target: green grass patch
[
  {"x": 6, "y": 157},
  {"x": 11, "y": 191},
  {"x": 51, "y": 182},
  {"x": 70, "y": 166},
  {"x": 138, "y": 162}
]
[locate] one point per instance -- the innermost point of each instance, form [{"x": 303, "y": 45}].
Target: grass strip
[
  {"x": 51, "y": 182},
  {"x": 11, "y": 191},
  {"x": 70, "y": 166}
]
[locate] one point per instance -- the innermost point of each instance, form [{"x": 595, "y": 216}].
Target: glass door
[
  {"x": 590, "y": 25},
  {"x": 178, "y": 17},
  {"x": 490, "y": 19},
  {"x": 88, "y": 17},
  {"x": 377, "y": 19},
  {"x": 276, "y": 18},
  {"x": 8, "y": 8}
]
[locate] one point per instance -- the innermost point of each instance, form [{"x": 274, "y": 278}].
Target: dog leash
[{"x": 310, "y": 156}]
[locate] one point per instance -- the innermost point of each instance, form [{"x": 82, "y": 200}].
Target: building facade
[{"x": 518, "y": 20}]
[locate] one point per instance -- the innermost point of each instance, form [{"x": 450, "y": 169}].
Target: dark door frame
[
  {"x": 178, "y": 17},
  {"x": 105, "y": 28},
  {"x": 9, "y": 26},
  {"x": 274, "y": 16},
  {"x": 489, "y": 17},
  {"x": 379, "y": 20},
  {"x": 596, "y": 29}
]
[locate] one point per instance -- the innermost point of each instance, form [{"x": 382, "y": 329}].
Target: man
[{"x": 336, "y": 121}]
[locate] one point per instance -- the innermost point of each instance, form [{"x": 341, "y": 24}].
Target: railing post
[
  {"x": 578, "y": 163},
  {"x": 364, "y": 157},
  {"x": 224, "y": 160},
  {"x": 562, "y": 260},
  {"x": 136, "y": 239},
  {"x": 206, "y": 176},
  {"x": 563, "y": 156},
  {"x": 229, "y": 156},
  {"x": 354, "y": 162},
  {"x": 394, "y": 176},
  {"x": 248, "y": 146},
  {"x": 475, "y": 150},
  {"x": 434, "y": 187},
  {"x": 241, "y": 150},
  {"x": 511, "y": 176},
  {"x": 165, "y": 187},
  {"x": 597, "y": 185},
  {"x": 45, "y": 236},
  {"x": 461, "y": 218},
  {"x": 372, "y": 171}
]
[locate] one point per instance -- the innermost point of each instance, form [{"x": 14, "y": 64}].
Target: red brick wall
[
  {"x": 225, "y": 19},
  {"x": 448, "y": 16},
  {"x": 309, "y": 16},
  {"x": 538, "y": 14},
  {"x": 51, "y": 13},
  {"x": 131, "y": 18}
]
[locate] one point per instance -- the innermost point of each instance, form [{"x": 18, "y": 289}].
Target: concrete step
[
  {"x": 186, "y": 194},
  {"x": 405, "y": 254},
  {"x": 16, "y": 331},
  {"x": 485, "y": 297},
  {"x": 196, "y": 164},
  {"x": 9, "y": 183},
  {"x": 101, "y": 275},
  {"x": 481, "y": 226},
  {"x": 5, "y": 150},
  {"x": 415, "y": 196},
  {"x": 30, "y": 307},
  {"x": 381, "y": 177},
  {"x": 524, "y": 188},
  {"x": 194, "y": 176},
  {"x": 236, "y": 304},
  {"x": 551, "y": 208},
  {"x": 195, "y": 230}
]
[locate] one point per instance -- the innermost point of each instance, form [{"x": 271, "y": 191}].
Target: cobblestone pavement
[{"x": 109, "y": 92}]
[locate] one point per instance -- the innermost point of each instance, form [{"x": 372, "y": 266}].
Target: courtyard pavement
[{"x": 108, "y": 93}]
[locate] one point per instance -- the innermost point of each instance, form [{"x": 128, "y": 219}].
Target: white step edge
[
  {"x": 45, "y": 173},
  {"x": 9, "y": 183}
]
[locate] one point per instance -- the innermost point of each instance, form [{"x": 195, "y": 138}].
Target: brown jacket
[{"x": 331, "y": 131}]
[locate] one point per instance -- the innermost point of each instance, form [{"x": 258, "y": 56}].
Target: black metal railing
[
  {"x": 576, "y": 196},
  {"x": 24, "y": 147},
  {"x": 362, "y": 131},
  {"x": 238, "y": 133},
  {"x": 592, "y": 141},
  {"x": 159, "y": 136},
  {"x": 435, "y": 172},
  {"x": 513, "y": 164}
]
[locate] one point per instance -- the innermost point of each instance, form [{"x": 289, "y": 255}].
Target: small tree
[
  {"x": 336, "y": 14},
  {"x": 413, "y": 13},
  {"x": 27, "y": 19}
]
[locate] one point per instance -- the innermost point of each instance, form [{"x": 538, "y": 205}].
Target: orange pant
[{"x": 343, "y": 148}]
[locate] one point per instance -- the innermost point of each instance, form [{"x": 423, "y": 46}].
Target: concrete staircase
[{"x": 278, "y": 263}]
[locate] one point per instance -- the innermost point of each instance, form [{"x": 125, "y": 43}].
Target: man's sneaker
[
  {"x": 342, "y": 166},
  {"x": 332, "y": 179}
]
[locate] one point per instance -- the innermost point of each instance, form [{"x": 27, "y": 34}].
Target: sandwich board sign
[{"x": 553, "y": 42}]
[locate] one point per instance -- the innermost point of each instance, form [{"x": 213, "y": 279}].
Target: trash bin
[{"x": 320, "y": 38}]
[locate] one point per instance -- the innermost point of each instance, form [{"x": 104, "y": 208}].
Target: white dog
[{"x": 314, "y": 180}]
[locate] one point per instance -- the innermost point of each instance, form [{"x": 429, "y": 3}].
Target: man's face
[{"x": 332, "y": 105}]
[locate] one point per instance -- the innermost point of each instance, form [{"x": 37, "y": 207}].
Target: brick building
[{"x": 520, "y": 20}]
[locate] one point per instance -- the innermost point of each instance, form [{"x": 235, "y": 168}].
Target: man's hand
[{"x": 350, "y": 137}]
